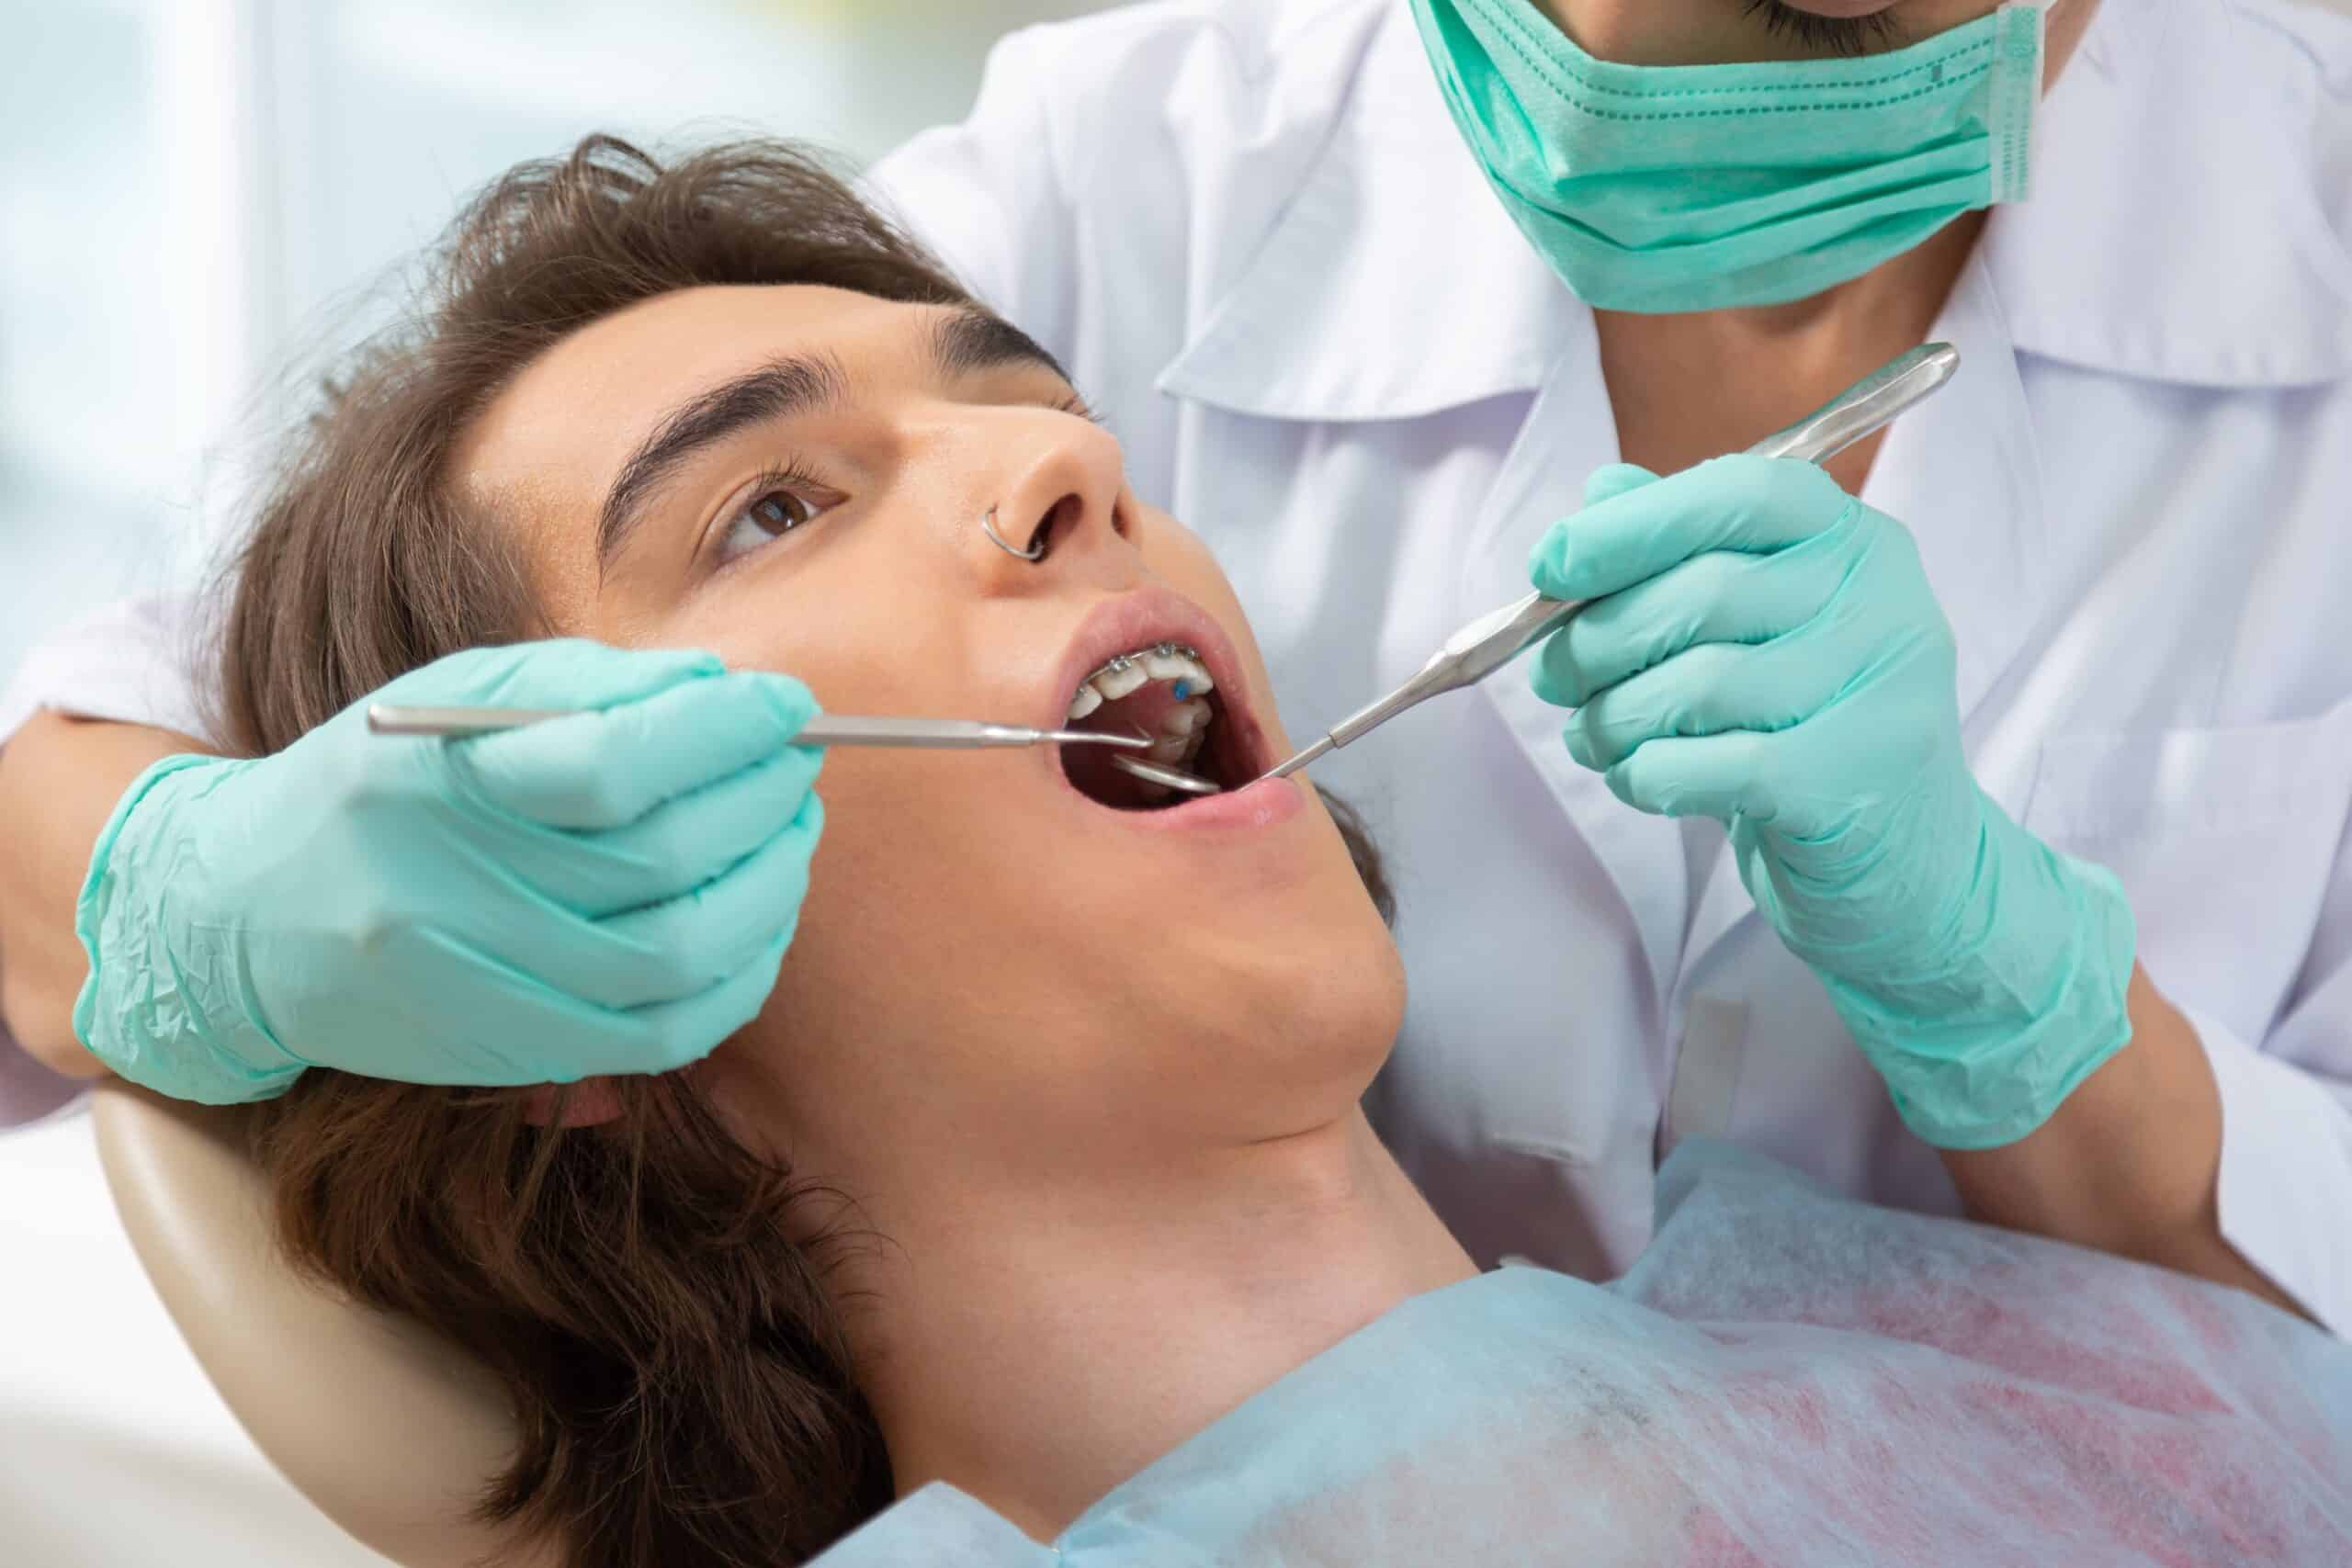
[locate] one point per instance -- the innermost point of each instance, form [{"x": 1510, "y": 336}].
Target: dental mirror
[{"x": 1160, "y": 773}]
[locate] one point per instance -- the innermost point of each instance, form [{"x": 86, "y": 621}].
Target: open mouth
[{"x": 1164, "y": 693}]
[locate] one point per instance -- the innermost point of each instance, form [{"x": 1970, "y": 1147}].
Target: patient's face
[{"x": 986, "y": 951}]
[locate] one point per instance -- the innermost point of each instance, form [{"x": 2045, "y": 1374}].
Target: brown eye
[
  {"x": 779, "y": 512},
  {"x": 765, "y": 518}
]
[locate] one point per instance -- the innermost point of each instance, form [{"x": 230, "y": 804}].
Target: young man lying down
[{"x": 1037, "y": 1195}]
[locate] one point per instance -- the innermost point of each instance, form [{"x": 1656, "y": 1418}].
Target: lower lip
[{"x": 1264, "y": 803}]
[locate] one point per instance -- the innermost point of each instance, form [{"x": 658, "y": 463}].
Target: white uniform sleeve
[
  {"x": 2286, "y": 1182},
  {"x": 139, "y": 660}
]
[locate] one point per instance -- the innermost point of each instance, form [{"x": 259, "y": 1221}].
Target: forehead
[{"x": 558, "y": 433}]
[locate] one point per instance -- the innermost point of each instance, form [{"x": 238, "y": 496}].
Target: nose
[{"x": 1060, "y": 492}]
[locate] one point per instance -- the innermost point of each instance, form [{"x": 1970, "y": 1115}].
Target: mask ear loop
[{"x": 2019, "y": 54}]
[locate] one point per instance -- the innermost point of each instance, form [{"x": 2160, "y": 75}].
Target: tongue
[{"x": 1140, "y": 711}]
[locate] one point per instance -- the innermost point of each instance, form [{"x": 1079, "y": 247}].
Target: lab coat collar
[
  {"x": 2176, "y": 231},
  {"x": 1394, "y": 285},
  {"x": 2177, "y": 234}
]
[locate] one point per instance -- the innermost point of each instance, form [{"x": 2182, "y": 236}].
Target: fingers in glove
[
  {"x": 1712, "y": 775},
  {"x": 680, "y": 1034},
  {"x": 579, "y": 990},
  {"x": 502, "y": 1027},
  {"x": 1603, "y": 484},
  {"x": 1721, "y": 596},
  {"x": 608, "y": 768},
  {"x": 1715, "y": 688},
  {"x": 677, "y": 847},
  {"x": 687, "y": 944},
  {"x": 1610, "y": 480},
  {"x": 1753, "y": 504}
]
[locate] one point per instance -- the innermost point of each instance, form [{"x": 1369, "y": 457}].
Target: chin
[{"x": 1317, "y": 1017}]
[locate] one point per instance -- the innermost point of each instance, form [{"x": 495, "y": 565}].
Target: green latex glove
[
  {"x": 1766, "y": 650},
  {"x": 607, "y": 893}
]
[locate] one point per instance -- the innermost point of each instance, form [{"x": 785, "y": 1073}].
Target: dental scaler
[{"x": 1488, "y": 643}]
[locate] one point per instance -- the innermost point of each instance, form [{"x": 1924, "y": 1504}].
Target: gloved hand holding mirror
[{"x": 623, "y": 881}]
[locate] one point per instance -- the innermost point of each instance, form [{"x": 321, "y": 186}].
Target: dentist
[{"x": 1965, "y": 828}]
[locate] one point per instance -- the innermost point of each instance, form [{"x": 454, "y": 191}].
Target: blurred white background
[{"x": 195, "y": 191}]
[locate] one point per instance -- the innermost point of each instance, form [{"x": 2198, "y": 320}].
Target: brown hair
[{"x": 678, "y": 1376}]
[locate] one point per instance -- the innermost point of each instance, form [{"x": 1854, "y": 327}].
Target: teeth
[
  {"x": 1169, "y": 748},
  {"x": 1185, "y": 719},
  {"x": 1119, "y": 678},
  {"x": 1166, "y": 663},
  {"x": 1130, "y": 672}
]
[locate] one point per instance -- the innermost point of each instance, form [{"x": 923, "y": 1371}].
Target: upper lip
[{"x": 1154, "y": 614}]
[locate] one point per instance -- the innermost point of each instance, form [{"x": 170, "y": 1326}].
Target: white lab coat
[{"x": 1254, "y": 237}]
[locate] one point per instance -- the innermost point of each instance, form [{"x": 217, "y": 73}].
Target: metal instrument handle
[
  {"x": 409, "y": 718},
  {"x": 825, "y": 730},
  {"x": 1488, "y": 643}
]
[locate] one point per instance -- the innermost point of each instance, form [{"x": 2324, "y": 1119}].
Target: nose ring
[{"x": 988, "y": 527}]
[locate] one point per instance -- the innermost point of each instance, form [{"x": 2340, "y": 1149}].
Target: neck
[
  {"x": 1036, "y": 1343},
  {"x": 1688, "y": 388}
]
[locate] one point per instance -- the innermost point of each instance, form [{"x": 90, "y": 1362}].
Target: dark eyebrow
[
  {"x": 798, "y": 384},
  {"x": 969, "y": 340},
  {"x": 964, "y": 341}
]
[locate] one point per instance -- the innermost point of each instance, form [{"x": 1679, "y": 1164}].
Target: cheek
[
  {"x": 817, "y": 619},
  {"x": 932, "y": 864},
  {"x": 967, "y": 959}
]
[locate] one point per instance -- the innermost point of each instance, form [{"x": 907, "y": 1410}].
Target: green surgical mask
[{"x": 1701, "y": 188}]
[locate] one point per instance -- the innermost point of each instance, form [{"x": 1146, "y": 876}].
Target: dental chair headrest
[{"x": 393, "y": 1434}]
